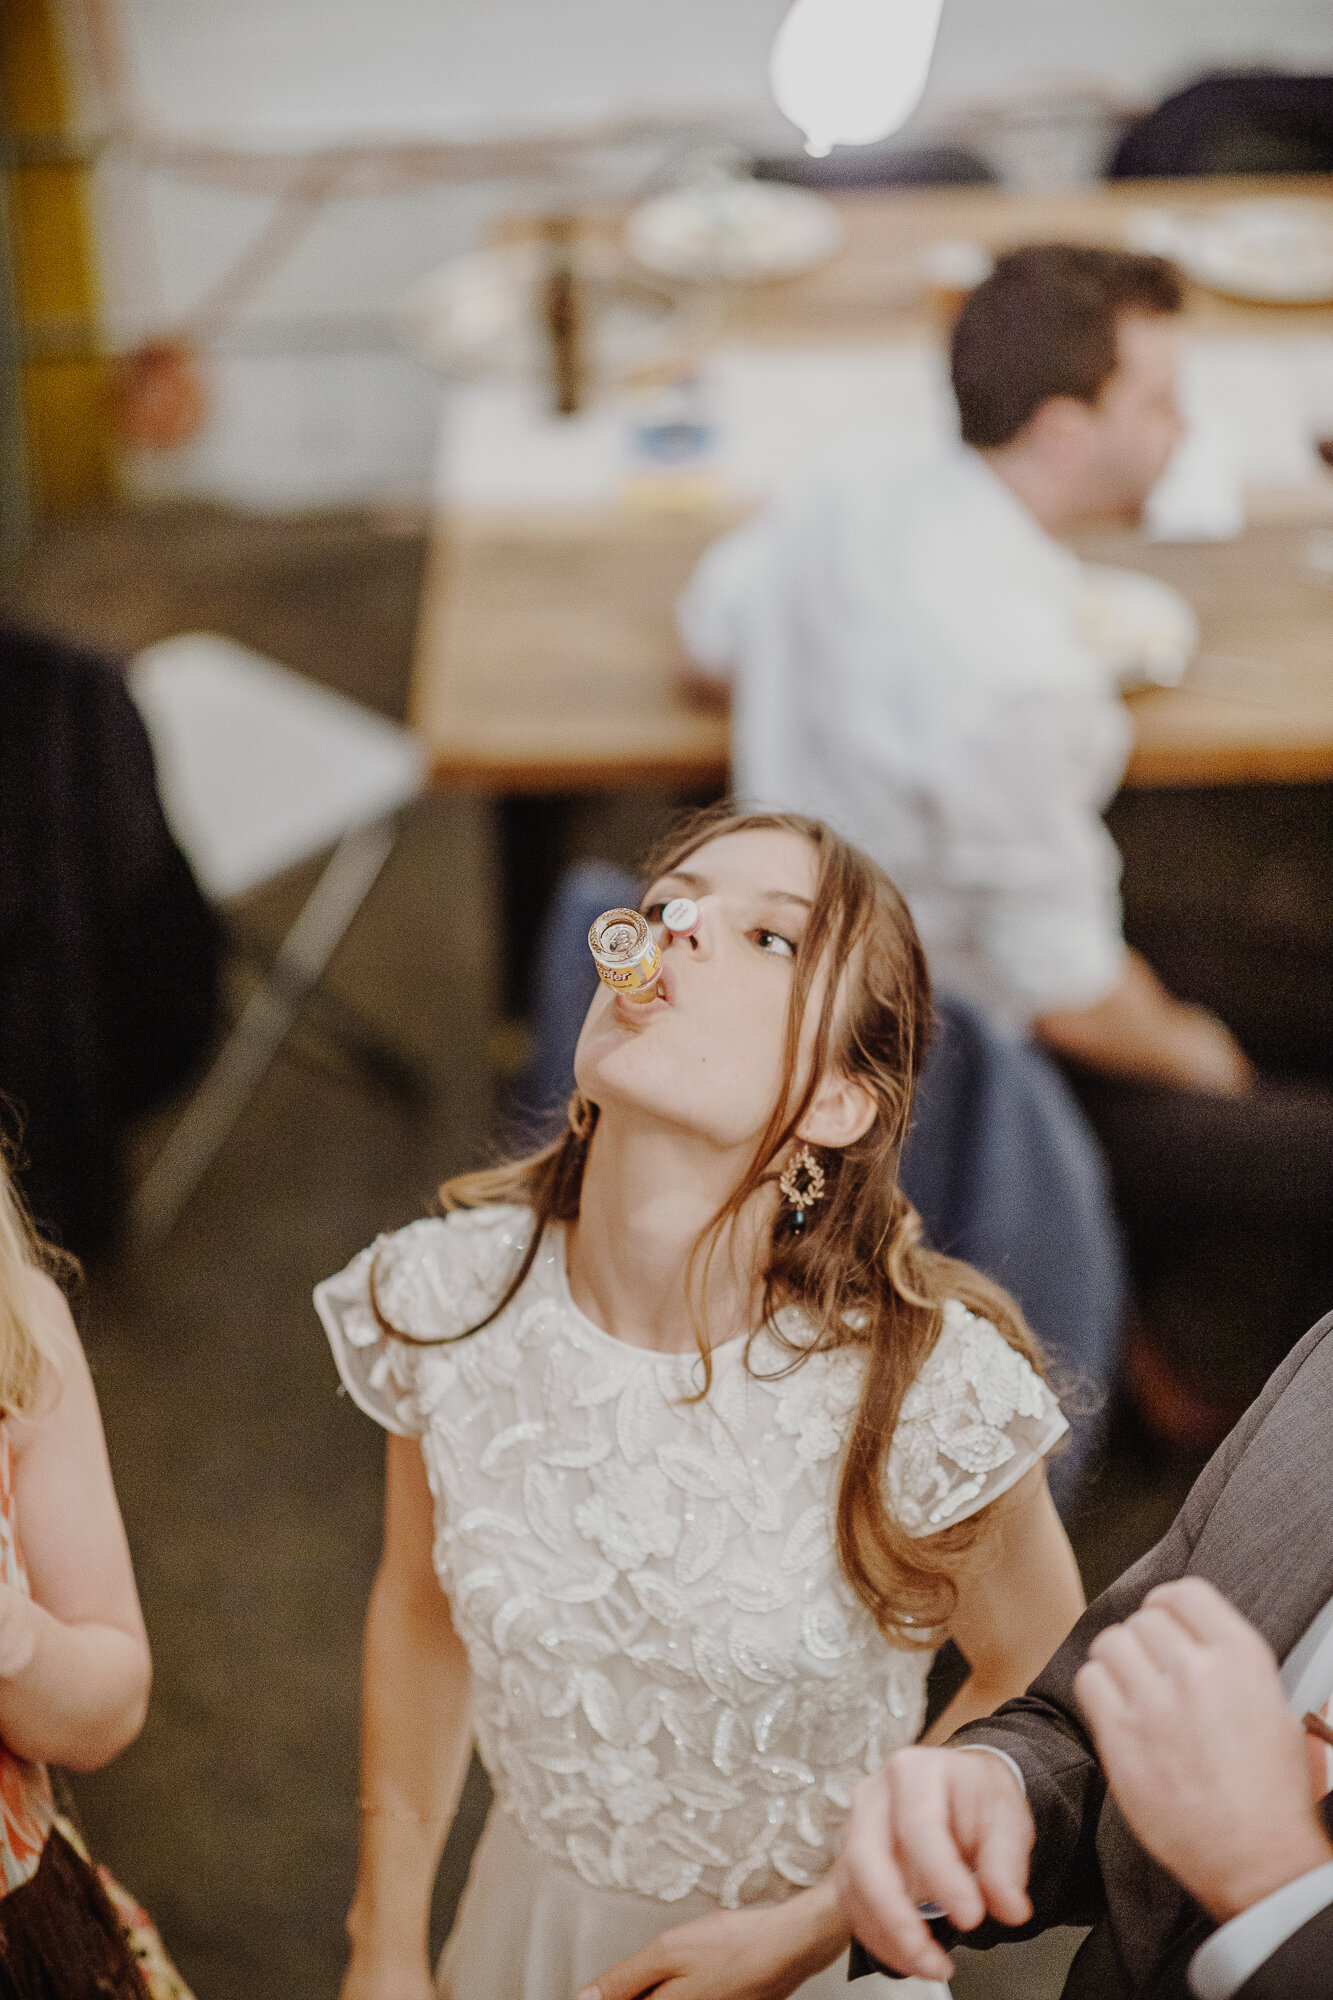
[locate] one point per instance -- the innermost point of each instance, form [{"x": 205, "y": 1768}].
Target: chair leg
[
  {"x": 380, "y": 1064},
  {"x": 351, "y": 873},
  {"x": 352, "y": 1032}
]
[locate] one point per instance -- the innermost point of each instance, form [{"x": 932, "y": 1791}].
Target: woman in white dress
[{"x": 697, "y": 1454}]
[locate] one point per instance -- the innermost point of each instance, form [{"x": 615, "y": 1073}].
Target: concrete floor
[{"x": 251, "y": 1489}]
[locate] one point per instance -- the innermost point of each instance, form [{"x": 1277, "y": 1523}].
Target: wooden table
[{"x": 547, "y": 660}]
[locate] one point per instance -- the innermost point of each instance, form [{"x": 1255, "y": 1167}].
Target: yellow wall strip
[{"x": 70, "y": 458}]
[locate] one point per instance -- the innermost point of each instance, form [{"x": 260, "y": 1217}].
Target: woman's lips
[{"x": 635, "y": 1012}]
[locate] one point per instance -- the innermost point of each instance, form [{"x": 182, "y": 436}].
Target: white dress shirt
[
  {"x": 1236, "y": 1951},
  {"x": 904, "y": 643}
]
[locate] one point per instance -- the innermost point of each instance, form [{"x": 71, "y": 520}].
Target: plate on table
[
  {"x": 1146, "y": 632},
  {"x": 732, "y": 230},
  {"x": 481, "y": 314},
  {"x": 1273, "y": 252}
]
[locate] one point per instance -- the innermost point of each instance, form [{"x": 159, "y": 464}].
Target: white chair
[{"x": 260, "y": 769}]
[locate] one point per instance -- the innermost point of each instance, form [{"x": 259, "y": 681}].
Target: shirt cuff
[
  {"x": 989, "y": 1750},
  {"x": 1234, "y": 1954},
  {"x": 1079, "y": 970}
]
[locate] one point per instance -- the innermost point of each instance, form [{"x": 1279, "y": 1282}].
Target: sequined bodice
[{"x": 674, "y": 1687}]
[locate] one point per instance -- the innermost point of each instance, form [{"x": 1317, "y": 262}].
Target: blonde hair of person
[
  {"x": 25, "y": 1347},
  {"x": 860, "y": 1271}
]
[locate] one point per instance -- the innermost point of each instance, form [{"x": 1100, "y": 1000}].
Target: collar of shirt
[{"x": 1307, "y": 1672}]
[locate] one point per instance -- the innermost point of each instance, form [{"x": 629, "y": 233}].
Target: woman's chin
[
  {"x": 616, "y": 1041},
  {"x": 643, "y": 1098},
  {"x": 645, "y": 1074},
  {"x": 609, "y": 1073},
  {"x": 618, "y": 1073}
]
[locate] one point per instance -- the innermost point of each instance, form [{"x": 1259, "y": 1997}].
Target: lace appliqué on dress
[
  {"x": 674, "y": 1688},
  {"x": 433, "y": 1279},
  {"x": 974, "y": 1421}
]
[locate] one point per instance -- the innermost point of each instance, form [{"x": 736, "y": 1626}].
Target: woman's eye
[
  {"x": 775, "y": 942},
  {"x": 653, "y": 912}
]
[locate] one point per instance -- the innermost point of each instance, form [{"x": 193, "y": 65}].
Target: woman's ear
[{"x": 842, "y": 1112}]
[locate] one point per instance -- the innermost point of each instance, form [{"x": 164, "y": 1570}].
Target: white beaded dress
[{"x": 674, "y": 1688}]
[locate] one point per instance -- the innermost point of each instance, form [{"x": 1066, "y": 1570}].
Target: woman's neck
[{"x": 649, "y": 1193}]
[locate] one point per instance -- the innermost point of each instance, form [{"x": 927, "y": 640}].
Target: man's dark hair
[{"x": 1043, "y": 324}]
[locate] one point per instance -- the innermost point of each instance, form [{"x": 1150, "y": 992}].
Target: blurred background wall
[{"x": 313, "y": 403}]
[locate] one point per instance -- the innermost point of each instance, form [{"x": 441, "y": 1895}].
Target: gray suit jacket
[{"x": 1258, "y": 1524}]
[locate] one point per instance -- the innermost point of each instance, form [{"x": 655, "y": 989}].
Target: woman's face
[{"x": 706, "y": 1054}]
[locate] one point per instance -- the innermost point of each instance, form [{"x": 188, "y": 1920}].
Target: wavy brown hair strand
[{"x": 548, "y": 1182}]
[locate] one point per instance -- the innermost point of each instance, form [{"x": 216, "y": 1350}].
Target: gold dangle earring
[{"x": 802, "y": 1185}]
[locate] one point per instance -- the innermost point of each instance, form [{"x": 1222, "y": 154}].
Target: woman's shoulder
[
  {"x": 49, "y": 1315},
  {"x": 439, "y": 1275},
  {"x": 972, "y": 1355},
  {"x": 429, "y": 1281},
  {"x": 62, "y": 1366},
  {"x": 977, "y": 1417}
]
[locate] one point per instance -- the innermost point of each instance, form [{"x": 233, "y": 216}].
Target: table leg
[{"x": 533, "y": 836}]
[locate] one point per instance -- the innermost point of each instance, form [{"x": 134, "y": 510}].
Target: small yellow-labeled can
[{"x": 626, "y": 952}]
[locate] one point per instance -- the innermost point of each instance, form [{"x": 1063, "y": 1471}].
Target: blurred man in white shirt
[{"x": 909, "y": 656}]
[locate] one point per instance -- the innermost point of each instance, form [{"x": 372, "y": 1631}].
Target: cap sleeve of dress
[
  {"x": 975, "y": 1420},
  {"x": 432, "y": 1280}
]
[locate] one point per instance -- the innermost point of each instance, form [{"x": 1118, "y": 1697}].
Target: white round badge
[{"x": 681, "y": 916}]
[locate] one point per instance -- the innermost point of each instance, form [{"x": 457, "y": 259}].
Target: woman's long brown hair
[{"x": 859, "y": 1272}]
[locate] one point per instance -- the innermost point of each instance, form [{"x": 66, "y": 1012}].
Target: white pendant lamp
[{"x": 847, "y": 72}]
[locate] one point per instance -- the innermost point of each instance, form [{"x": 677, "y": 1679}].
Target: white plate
[
  {"x": 481, "y": 314},
  {"x": 1277, "y": 252},
  {"x": 734, "y": 231},
  {"x": 1146, "y": 632}
]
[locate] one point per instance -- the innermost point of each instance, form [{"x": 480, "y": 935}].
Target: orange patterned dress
[
  {"x": 28, "y": 1814},
  {"x": 27, "y": 1809}
]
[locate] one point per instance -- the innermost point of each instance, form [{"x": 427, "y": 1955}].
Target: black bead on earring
[{"x": 802, "y": 1185}]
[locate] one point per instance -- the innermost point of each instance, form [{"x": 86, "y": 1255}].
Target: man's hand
[
  {"x": 1140, "y": 1030},
  {"x": 1207, "y": 1055},
  {"x": 1201, "y": 1753},
  {"x": 949, "y": 1827}
]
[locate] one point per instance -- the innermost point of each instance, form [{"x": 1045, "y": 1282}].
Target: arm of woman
[
  {"x": 1016, "y": 1604},
  {"x": 74, "y": 1661},
  {"x": 1139, "y": 1029},
  {"x": 416, "y": 1737}
]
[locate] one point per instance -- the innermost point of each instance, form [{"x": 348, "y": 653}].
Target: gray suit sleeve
[
  {"x": 1043, "y": 1730},
  {"x": 1044, "y": 1733}
]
